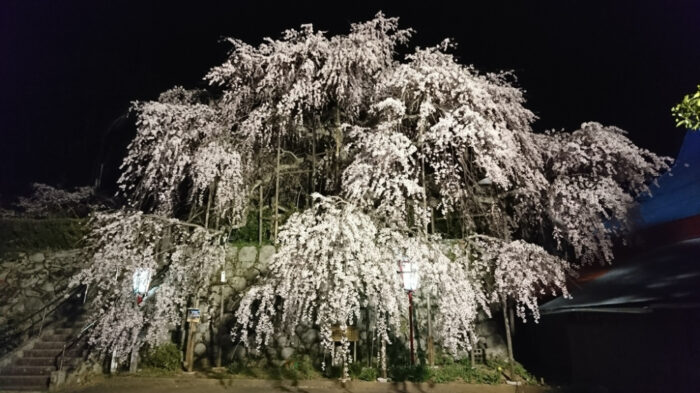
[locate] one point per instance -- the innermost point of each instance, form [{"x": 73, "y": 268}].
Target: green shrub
[
  {"x": 518, "y": 368},
  {"x": 165, "y": 357},
  {"x": 298, "y": 367},
  {"x": 448, "y": 373},
  {"x": 357, "y": 371},
  {"x": 417, "y": 373},
  {"x": 484, "y": 375}
]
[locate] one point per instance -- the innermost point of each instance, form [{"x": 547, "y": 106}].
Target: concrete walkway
[{"x": 208, "y": 385}]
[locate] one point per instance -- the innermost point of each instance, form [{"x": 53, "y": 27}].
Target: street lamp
[
  {"x": 411, "y": 280},
  {"x": 222, "y": 280}
]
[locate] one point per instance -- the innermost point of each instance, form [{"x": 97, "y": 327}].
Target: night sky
[{"x": 69, "y": 69}]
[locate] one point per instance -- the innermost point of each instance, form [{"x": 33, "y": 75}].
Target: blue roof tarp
[{"x": 677, "y": 194}]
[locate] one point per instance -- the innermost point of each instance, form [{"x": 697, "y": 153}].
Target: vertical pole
[
  {"x": 113, "y": 363},
  {"x": 504, "y": 306},
  {"x": 190, "y": 346},
  {"x": 221, "y": 326},
  {"x": 410, "y": 322},
  {"x": 277, "y": 185},
  {"x": 369, "y": 345},
  {"x": 134, "y": 361},
  {"x": 431, "y": 348},
  {"x": 260, "y": 213},
  {"x": 472, "y": 358}
]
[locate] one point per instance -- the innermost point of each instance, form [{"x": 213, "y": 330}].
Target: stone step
[
  {"x": 36, "y": 362},
  {"x": 49, "y": 345},
  {"x": 55, "y": 337},
  {"x": 28, "y": 388},
  {"x": 27, "y": 370},
  {"x": 61, "y": 331},
  {"x": 24, "y": 382},
  {"x": 49, "y": 353}
]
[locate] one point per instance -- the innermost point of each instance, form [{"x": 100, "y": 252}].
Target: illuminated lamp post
[{"x": 411, "y": 280}]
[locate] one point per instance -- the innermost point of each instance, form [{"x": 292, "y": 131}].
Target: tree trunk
[
  {"x": 504, "y": 306},
  {"x": 260, "y": 212},
  {"x": 277, "y": 187},
  {"x": 338, "y": 146},
  {"x": 206, "y": 214},
  {"x": 431, "y": 346},
  {"x": 422, "y": 175},
  {"x": 312, "y": 179}
]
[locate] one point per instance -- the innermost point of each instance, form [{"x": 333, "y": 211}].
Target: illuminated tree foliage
[{"x": 377, "y": 156}]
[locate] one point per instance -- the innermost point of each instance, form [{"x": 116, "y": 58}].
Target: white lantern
[
  {"x": 141, "y": 280},
  {"x": 410, "y": 275}
]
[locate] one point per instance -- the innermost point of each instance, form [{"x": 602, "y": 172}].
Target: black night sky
[{"x": 70, "y": 68}]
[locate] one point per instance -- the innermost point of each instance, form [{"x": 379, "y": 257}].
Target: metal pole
[
  {"x": 410, "y": 322},
  {"x": 63, "y": 354}
]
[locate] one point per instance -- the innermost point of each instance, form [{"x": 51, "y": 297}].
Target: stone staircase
[{"x": 31, "y": 368}]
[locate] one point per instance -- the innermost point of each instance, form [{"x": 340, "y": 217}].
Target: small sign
[
  {"x": 193, "y": 315},
  {"x": 350, "y": 333}
]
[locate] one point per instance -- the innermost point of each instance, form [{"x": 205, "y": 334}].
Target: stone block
[
  {"x": 251, "y": 274},
  {"x": 282, "y": 340},
  {"x": 246, "y": 257},
  {"x": 37, "y": 258},
  {"x": 310, "y": 336},
  {"x": 231, "y": 253},
  {"x": 200, "y": 349},
  {"x": 241, "y": 352},
  {"x": 29, "y": 282},
  {"x": 47, "y": 287},
  {"x": 287, "y": 352},
  {"x": 266, "y": 253},
  {"x": 238, "y": 283}
]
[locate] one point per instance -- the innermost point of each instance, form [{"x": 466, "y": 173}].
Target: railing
[
  {"x": 11, "y": 334},
  {"x": 70, "y": 343}
]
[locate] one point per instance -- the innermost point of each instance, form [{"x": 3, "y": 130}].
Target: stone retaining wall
[{"x": 28, "y": 283}]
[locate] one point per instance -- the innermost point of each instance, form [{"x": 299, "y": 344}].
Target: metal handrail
[
  {"x": 73, "y": 341},
  {"x": 10, "y": 332}
]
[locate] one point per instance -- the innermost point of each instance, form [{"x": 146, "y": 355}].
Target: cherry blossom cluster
[
  {"x": 333, "y": 262},
  {"x": 46, "y": 200},
  {"x": 180, "y": 260}
]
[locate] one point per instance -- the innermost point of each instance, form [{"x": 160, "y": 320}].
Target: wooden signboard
[
  {"x": 193, "y": 315},
  {"x": 350, "y": 333}
]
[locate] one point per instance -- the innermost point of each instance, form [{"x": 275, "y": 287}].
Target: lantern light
[
  {"x": 410, "y": 275},
  {"x": 141, "y": 280}
]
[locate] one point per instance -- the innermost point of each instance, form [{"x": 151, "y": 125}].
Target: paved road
[{"x": 204, "y": 385}]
